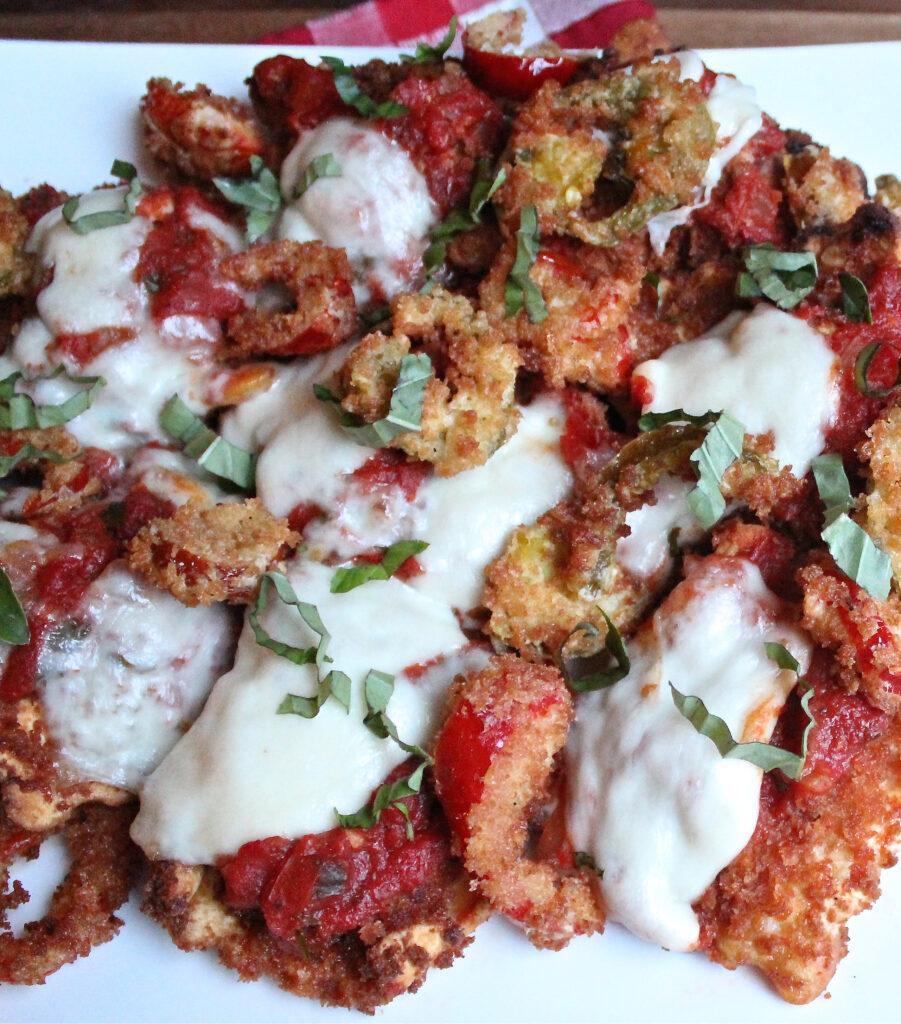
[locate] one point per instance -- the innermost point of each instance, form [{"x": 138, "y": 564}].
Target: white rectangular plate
[{"x": 69, "y": 109}]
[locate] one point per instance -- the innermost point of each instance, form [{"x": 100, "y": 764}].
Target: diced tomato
[
  {"x": 179, "y": 261},
  {"x": 332, "y": 882},
  {"x": 517, "y": 77},
  {"x": 83, "y": 348},
  {"x": 749, "y": 211},
  {"x": 292, "y": 95},
  {"x": 587, "y": 442},
  {"x": 391, "y": 468},
  {"x": 139, "y": 507}
]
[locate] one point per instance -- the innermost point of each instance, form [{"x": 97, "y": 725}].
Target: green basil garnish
[
  {"x": 333, "y": 684},
  {"x": 404, "y": 410},
  {"x": 349, "y": 577},
  {"x": 599, "y": 679},
  {"x": 106, "y": 218},
  {"x": 259, "y": 195},
  {"x": 13, "y": 623},
  {"x": 353, "y": 96},
  {"x": 784, "y": 277},
  {"x": 426, "y": 54},
  {"x": 322, "y": 166},
  {"x": 521, "y": 291},
  {"x": 217, "y": 456},
  {"x": 862, "y": 370},
  {"x": 721, "y": 447},
  {"x": 19, "y": 412},
  {"x": 653, "y": 420},
  {"x": 851, "y": 547},
  {"x": 458, "y": 221},
  {"x": 855, "y": 299}
]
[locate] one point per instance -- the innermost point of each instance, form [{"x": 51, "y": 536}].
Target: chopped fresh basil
[
  {"x": 19, "y": 412},
  {"x": 585, "y": 860},
  {"x": 389, "y": 795},
  {"x": 763, "y": 755},
  {"x": 458, "y": 221},
  {"x": 28, "y": 451},
  {"x": 521, "y": 291},
  {"x": 784, "y": 277},
  {"x": 88, "y": 222},
  {"x": 426, "y": 54},
  {"x": 653, "y": 420},
  {"x": 353, "y": 96},
  {"x": 855, "y": 299},
  {"x": 332, "y": 684},
  {"x": 598, "y": 679},
  {"x": 858, "y": 557},
  {"x": 378, "y": 688},
  {"x": 862, "y": 371},
  {"x": 217, "y": 456},
  {"x": 851, "y": 547},
  {"x": 13, "y": 623},
  {"x": 323, "y": 166},
  {"x": 259, "y": 195},
  {"x": 404, "y": 410},
  {"x": 349, "y": 577},
  {"x": 721, "y": 447}
]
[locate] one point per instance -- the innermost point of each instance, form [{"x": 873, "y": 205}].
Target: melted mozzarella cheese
[
  {"x": 378, "y": 210},
  {"x": 646, "y": 550},
  {"x": 93, "y": 287},
  {"x": 244, "y": 772},
  {"x": 769, "y": 369},
  {"x": 124, "y": 676},
  {"x": 652, "y": 801}
]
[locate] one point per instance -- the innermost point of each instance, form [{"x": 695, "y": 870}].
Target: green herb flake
[
  {"x": 87, "y": 222},
  {"x": 13, "y": 623},
  {"x": 259, "y": 195},
  {"x": 654, "y": 420},
  {"x": 584, "y": 860},
  {"x": 20, "y": 412},
  {"x": 582, "y": 681},
  {"x": 426, "y": 54},
  {"x": 783, "y": 277},
  {"x": 855, "y": 299},
  {"x": 521, "y": 292},
  {"x": 353, "y": 96},
  {"x": 862, "y": 372},
  {"x": 323, "y": 166},
  {"x": 832, "y": 484},
  {"x": 350, "y": 577},
  {"x": 404, "y": 410},
  {"x": 459, "y": 221},
  {"x": 721, "y": 447},
  {"x": 217, "y": 456}
]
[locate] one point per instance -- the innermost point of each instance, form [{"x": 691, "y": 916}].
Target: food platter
[{"x": 69, "y": 110}]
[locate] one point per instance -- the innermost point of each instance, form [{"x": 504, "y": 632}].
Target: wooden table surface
[{"x": 700, "y": 23}]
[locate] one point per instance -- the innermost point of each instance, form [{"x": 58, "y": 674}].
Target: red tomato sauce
[{"x": 391, "y": 468}]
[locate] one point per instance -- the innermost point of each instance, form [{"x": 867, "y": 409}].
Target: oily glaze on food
[{"x": 382, "y": 577}]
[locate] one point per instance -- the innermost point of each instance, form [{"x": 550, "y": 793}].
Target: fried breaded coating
[
  {"x": 197, "y": 132},
  {"x": 361, "y": 970},
  {"x": 104, "y": 867},
  {"x": 882, "y": 450},
  {"x": 822, "y": 189},
  {"x": 322, "y": 312},
  {"x": 864, "y": 633},
  {"x": 203, "y": 555},
  {"x": 468, "y": 408},
  {"x": 16, "y": 265},
  {"x": 494, "y": 759},
  {"x": 783, "y": 903}
]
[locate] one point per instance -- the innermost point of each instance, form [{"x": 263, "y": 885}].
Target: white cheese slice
[
  {"x": 769, "y": 369},
  {"x": 652, "y": 800},
  {"x": 244, "y": 772}
]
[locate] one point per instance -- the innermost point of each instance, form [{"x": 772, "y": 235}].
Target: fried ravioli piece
[
  {"x": 203, "y": 555},
  {"x": 882, "y": 450},
  {"x": 16, "y": 265},
  {"x": 362, "y": 969}
]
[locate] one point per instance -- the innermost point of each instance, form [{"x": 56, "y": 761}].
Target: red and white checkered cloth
[{"x": 571, "y": 23}]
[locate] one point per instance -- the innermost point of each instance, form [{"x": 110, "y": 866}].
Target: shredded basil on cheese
[
  {"x": 350, "y": 577},
  {"x": 353, "y": 95},
  {"x": 721, "y": 447},
  {"x": 20, "y": 412},
  {"x": 763, "y": 755},
  {"x": 259, "y": 195},
  {"x": 217, "y": 456},
  {"x": 391, "y": 794},
  {"x": 851, "y": 547},
  {"x": 87, "y": 222},
  {"x": 580, "y": 673},
  {"x": 521, "y": 292},
  {"x": 323, "y": 166},
  {"x": 404, "y": 409},
  {"x": 13, "y": 623},
  {"x": 783, "y": 277},
  {"x": 855, "y": 299},
  {"x": 426, "y": 54},
  {"x": 331, "y": 684},
  {"x": 862, "y": 371}
]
